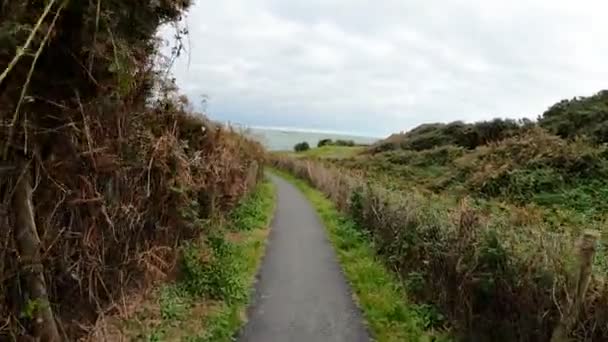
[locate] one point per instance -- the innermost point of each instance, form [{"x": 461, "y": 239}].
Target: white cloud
[{"x": 381, "y": 66}]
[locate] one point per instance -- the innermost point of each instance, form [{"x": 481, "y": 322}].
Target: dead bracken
[{"x": 103, "y": 164}]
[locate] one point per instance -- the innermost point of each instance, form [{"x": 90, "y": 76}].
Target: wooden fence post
[{"x": 569, "y": 318}]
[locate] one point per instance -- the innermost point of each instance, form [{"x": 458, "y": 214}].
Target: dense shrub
[
  {"x": 391, "y": 143},
  {"x": 301, "y": 147},
  {"x": 580, "y": 116},
  {"x": 437, "y": 156},
  {"x": 383, "y": 146},
  {"x": 341, "y": 142},
  {"x": 534, "y": 164},
  {"x": 486, "y": 132},
  {"x": 324, "y": 142},
  {"x": 425, "y": 137},
  {"x": 338, "y": 142},
  {"x": 458, "y": 133},
  {"x": 494, "y": 279}
]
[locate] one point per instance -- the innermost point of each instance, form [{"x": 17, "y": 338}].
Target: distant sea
[{"x": 282, "y": 139}]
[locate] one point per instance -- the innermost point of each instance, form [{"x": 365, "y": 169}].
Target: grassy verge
[
  {"x": 329, "y": 152},
  {"x": 379, "y": 294},
  {"x": 208, "y": 302}
]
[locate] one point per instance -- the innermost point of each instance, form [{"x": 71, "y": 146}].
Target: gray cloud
[{"x": 375, "y": 67}]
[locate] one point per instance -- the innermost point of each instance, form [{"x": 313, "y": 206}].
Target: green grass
[
  {"x": 380, "y": 295},
  {"x": 209, "y": 301},
  {"x": 330, "y": 152}
]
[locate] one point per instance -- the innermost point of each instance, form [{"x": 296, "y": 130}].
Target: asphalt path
[{"x": 301, "y": 293}]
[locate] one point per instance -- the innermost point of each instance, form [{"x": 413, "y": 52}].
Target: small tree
[{"x": 300, "y": 147}]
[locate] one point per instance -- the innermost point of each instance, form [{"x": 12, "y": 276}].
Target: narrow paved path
[{"x": 301, "y": 294}]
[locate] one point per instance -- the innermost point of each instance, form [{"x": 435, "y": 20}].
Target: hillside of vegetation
[
  {"x": 538, "y": 164},
  {"x": 568, "y": 119},
  {"x": 483, "y": 221},
  {"x": 104, "y": 171}
]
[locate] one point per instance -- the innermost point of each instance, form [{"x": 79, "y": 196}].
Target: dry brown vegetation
[
  {"x": 103, "y": 168},
  {"x": 497, "y": 276}
]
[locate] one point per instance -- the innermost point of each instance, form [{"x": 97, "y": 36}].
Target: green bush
[
  {"x": 341, "y": 142},
  {"x": 324, "y": 142},
  {"x": 457, "y": 133},
  {"x": 301, "y": 147},
  {"x": 538, "y": 167},
  {"x": 443, "y": 155},
  {"x": 580, "y": 116},
  {"x": 383, "y": 146}
]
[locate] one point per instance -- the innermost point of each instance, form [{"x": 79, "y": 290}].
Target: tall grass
[{"x": 494, "y": 277}]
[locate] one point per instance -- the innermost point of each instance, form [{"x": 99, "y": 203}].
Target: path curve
[{"x": 301, "y": 293}]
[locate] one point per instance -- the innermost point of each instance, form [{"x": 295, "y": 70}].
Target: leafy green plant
[
  {"x": 213, "y": 273},
  {"x": 31, "y": 307},
  {"x": 173, "y": 303},
  {"x": 429, "y": 315},
  {"x": 250, "y": 213}
]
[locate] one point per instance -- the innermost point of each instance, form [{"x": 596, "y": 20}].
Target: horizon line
[{"x": 309, "y": 130}]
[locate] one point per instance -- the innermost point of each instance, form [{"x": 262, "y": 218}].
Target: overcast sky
[{"x": 376, "y": 67}]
